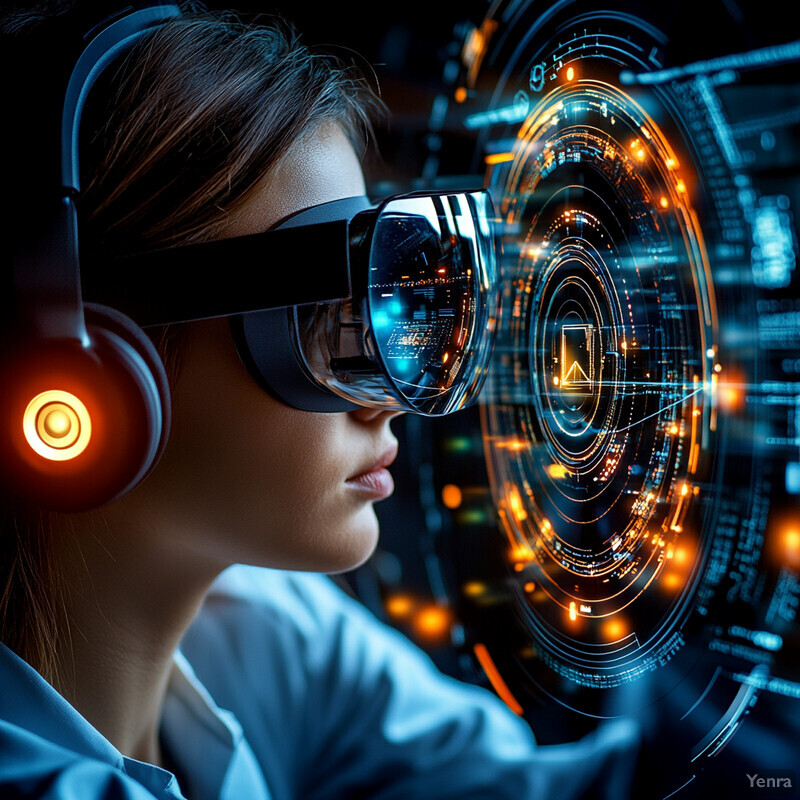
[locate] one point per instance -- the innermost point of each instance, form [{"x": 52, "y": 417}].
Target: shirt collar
[
  {"x": 205, "y": 741},
  {"x": 31, "y": 703}
]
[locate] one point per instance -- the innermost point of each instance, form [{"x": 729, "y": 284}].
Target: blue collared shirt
[{"x": 284, "y": 687}]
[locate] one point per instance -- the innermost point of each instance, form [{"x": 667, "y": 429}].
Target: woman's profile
[{"x": 170, "y": 640}]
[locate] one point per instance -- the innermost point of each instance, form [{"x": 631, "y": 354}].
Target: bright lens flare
[{"x": 57, "y": 425}]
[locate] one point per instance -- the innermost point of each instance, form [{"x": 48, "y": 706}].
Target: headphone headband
[
  {"x": 111, "y": 42},
  {"x": 46, "y": 269}
]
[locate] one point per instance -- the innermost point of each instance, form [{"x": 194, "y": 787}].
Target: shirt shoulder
[{"x": 331, "y": 699}]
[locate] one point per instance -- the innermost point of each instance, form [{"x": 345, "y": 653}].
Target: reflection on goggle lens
[{"x": 420, "y": 337}]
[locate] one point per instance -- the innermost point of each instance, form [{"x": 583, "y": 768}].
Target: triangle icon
[{"x": 575, "y": 374}]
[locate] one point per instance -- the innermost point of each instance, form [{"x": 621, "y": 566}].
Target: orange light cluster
[{"x": 430, "y": 623}]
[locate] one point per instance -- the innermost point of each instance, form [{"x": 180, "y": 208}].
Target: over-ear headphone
[{"x": 85, "y": 401}]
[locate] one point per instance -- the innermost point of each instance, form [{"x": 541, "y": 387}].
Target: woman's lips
[
  {"x": 376, "y": 479},
  {"x": 378, "y": 482}
]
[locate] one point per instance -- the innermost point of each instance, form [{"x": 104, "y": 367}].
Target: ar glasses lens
[
  {"x": 431, "y": 297},
  {"x": 418, "y": 332}
]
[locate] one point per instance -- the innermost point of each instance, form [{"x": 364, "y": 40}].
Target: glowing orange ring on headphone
[{"x": 57, "y": 425}]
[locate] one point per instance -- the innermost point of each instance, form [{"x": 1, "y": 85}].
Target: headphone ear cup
[
  {"x": 84, "y": 420},
  {"x": 117, "y": 338}
]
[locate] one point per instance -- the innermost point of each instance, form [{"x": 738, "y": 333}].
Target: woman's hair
[{"x": 175, "y": 137}]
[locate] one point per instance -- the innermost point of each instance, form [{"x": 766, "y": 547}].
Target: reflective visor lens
[
  {"x": 418, "y": 331},
  {"x": 432, "y": 297}
]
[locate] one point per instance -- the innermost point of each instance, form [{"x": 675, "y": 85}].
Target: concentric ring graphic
[
  {"x": 601, "y": 400},
  {"x": 625, "y": 512}
]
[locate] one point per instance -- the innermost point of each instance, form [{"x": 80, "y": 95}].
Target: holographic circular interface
[
  {"x": 600, "y": 412},
  {"x": 621, "y": 528}
]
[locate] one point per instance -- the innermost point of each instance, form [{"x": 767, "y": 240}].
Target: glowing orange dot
[
  {"x": 673, "y": 430},
  {"x": 573, "y": 611},
  {"x": 530, "y": 586},
  {"x": 671, "y": 581},
  {"x": 614, "y": 629},
  {"x": 570, "y": 73},
  {"x": 432, "y": 623},
  {"x": 663, "y": 202},
  {"x": 519, "y": 567},
  {"x": 451, "y": 496},
  {"x": 556, "y": 471},
  {"x": 399, "y": 606},
  {"x": 729, "y": 398},
  {"x": 680, "y": 186},
  {"x": 461, "y": 94},
  {"x": 788, "y": 543}
]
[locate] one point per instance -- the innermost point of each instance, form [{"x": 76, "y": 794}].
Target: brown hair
[{"x": 200, "y": 111}]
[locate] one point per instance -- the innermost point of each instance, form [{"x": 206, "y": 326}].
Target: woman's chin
[
  {"x": 342, "y": 545},
  {"x": 350, "y": 547}
]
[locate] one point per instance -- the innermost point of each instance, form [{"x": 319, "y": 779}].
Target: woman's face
[{"x": 245, "y": 478}]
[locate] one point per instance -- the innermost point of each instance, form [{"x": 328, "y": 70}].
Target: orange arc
[{"x": 498, "y": 684}]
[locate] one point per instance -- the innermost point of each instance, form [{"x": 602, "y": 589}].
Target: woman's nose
[{"x": 369, "y": 415}]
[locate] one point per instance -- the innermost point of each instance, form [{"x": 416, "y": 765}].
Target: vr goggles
[
  {"x": 343, "y": 304},
  {"x": 340, "y": 306}
]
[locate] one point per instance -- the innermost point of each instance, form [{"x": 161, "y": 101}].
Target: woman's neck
[{"x": 129, "y": 598}]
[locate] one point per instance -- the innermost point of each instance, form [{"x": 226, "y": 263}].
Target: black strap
[{"x": 277, "y": 268}]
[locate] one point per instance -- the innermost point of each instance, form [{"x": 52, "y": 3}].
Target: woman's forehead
[{"x": 319, "y": 167}]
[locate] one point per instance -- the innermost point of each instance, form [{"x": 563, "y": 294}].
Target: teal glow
[{"x": 380, "y": 319}]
